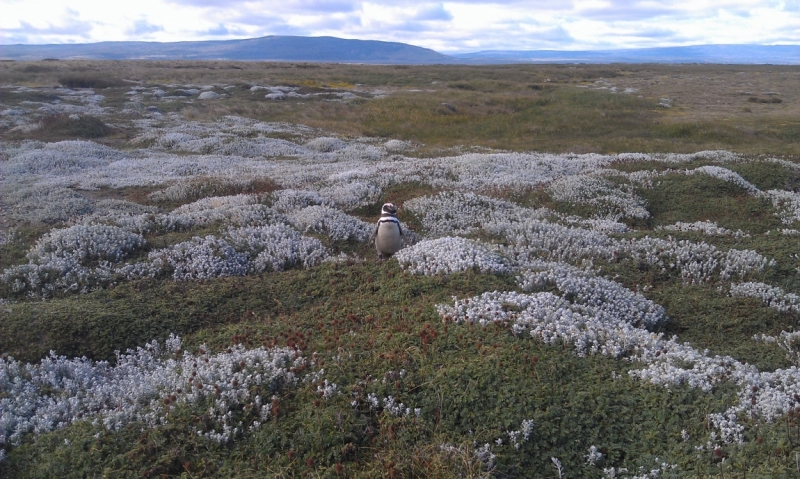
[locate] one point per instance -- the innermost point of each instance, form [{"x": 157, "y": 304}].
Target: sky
[{"x": 448, "y": 27}]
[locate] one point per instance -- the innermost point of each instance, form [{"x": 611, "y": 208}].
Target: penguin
[{"x": 388, "y": 235}]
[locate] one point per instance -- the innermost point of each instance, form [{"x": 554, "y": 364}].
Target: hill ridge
[{"x": 340, "y": 50}]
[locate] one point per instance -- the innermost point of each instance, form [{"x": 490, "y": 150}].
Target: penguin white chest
[{"x": 388, "y": 241}]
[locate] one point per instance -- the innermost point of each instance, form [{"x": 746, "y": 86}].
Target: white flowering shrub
[
  {"x": 696, "y": 262},
  {"x": 397, "y": 145},
  {"x": 485, "y": 455},
  {"x": 276, "y": 247},
  {"x": 259, "y": 147},
  {"x": 726, "y": 175},
  {"x": 236, "y": 215},
  {"x": 216, "y": 202},
  {"x": 142, "y": 387},
  {"x": 239, "y": 210},
  {"x": 789, "y": 342},
  {"x": 201, "y": 258},
  {"x": 229, "y": 135},
  {"x": 395, "y": 408},
  {"x": 520, "y": 436},
  {"x": 533, "y": 238},
  {"x": 608, "y": 298},
  {"x": 593, "y": 456},
  {"x": 740, "y": 263},
  {"x": 85, "y": 244},
  {"x": 550, "y": 318},
  {"x": 288, "y": 200},
  {"x": 456, "y": 213},
  {"x": 326, "y": 144},
  {"x": 237, "y": 147},
  {"x": 608, "y": 201},
  {"x": 601, "y": 225},
  {"x": 44, "y": 204},
  {"x": 61, "y": 157},
  {"x": 127, "y": 215},
  {"x": 359, "y": 152},
  {"x": 511, "y": 171},
  {"x": 787, "y": 203},
  {"x": 227, "y": 144},
  {"x": 331, "y": 222},
  {"x": 8, "y": 236},
  {"x": 110, "y": 207},
  {"x": 450, "y": 255},
  {"x": 772, "y": 296},
  {"x": 194, "y": 188},
  {"x": 74, "y": 259},
  {"x": 58, "y": 275},
  {"x": 351, "y": 194},
  {"x": 705, "y": 227},
  {"x": 154, "y": 267}
]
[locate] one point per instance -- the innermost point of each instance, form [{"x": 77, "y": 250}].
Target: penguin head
[{"x": 389, "y": 209}]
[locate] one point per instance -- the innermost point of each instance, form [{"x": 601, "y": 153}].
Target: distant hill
[
  {"x": 732, "y": 54},
  {"x": 339, "y": 50},
  {"x": 271, "y": 48}
]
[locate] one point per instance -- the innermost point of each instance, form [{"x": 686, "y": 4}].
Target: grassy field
[
  {"x": 553, "y": 108},
  {"x": 601, "y": 278}
]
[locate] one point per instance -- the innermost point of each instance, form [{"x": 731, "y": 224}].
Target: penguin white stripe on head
[
  {"x": 388, "y": 235},
  {"x": 389, "y": 209}
]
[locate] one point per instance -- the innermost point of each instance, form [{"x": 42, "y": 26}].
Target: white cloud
[
  {"x": 142, "y": 28},
  {"x": 465, "y": 25}
]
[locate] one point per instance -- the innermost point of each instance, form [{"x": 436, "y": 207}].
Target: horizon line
[{"x": 452, "y": 52}]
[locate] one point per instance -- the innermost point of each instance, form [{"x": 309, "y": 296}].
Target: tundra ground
[{"x": 601, "y": 275}]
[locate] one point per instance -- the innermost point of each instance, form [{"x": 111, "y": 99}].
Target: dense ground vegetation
[
  {"x": 600, "y": 279},
  {"x": 554, "y": 108}
]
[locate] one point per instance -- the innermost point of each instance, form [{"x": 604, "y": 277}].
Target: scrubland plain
[{"x": 601, "y": 275}]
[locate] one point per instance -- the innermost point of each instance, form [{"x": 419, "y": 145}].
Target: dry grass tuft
[
  {"x": 89, "y": 81},
  {"x": 64, "y": 126}
]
